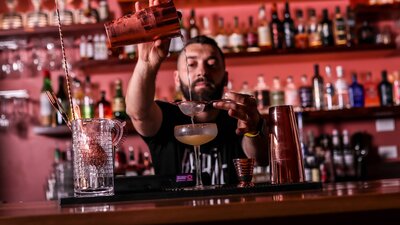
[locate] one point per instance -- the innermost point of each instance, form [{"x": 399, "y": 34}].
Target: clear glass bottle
[
  {"x": 236, "y": 39},
  {"x": 348, "y": 153},
  {"x": 222, "y": 37},
  {"x": 351, "y": 26},
  {"x": 356, "y": 93},
  {"x": 338, "y": 157},
  {"x": 87, "y": 106},
  {"x": 277, "y": 95},
  {"x": 264, "y": 34},
  {"x": 341, "y": 89},
  {"x": 245, "y": 89},
  {"x": 291, "y": 93},
  {"x": 88, "y": 14},
  {"x": 330, "y": 93}
]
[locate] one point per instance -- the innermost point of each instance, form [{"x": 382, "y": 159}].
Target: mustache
[{"x": 204, "y": 80}]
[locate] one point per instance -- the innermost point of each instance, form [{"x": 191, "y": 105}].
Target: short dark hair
[{"x": 201, "y": 39}]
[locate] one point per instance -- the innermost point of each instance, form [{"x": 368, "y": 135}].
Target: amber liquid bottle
[
  {"x": 340, "y": 28},
  {"x": 103, "y": 108}
]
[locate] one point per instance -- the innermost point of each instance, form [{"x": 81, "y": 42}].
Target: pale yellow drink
[{"x": 197, "y": 139}]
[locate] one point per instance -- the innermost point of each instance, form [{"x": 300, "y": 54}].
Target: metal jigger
[
  {"x": 286, "y": 161},
  {"x": 244, "y": 171}
]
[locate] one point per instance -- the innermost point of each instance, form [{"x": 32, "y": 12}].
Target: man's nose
[{"x": 201, "y": 71}]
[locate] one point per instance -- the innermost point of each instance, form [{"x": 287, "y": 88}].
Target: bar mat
[{"x": 183, "y": 193}]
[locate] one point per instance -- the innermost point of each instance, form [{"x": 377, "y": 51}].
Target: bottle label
[
  {"x": 264, "y": 36},
  {"x": 236, "y": 40},
  {"x": 222, "y": 41},
  {"x": 119, "y": 105},
  {"x": 339, "y": 164},
  {"x": 291, "y": 97},
  {"x": 45, "y": 110},
  {"x": 349, "y": 162},
  {"x": 306, "y": 97},
  {"x": 277, "y": 98}
]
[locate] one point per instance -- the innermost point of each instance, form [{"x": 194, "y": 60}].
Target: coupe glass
[{"x": 196, "y": 135}]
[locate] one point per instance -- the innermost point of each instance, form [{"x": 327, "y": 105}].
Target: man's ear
[{"x": 176, "y": 78}]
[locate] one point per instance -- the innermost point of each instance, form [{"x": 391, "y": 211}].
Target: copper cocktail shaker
[
  {"x": 286, "y": 161},
  {"x": 156, "y": 22}
]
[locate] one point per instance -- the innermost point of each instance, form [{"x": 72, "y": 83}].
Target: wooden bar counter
[{"x": 370, "y": 202}]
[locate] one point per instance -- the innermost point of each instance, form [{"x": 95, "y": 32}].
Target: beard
[{"x": 212, "y": 92}]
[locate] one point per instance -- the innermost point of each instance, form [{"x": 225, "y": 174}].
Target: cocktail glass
[{"x": 196, "y": 135}]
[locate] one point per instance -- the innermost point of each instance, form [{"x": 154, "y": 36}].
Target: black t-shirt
[{"x": 171, "y": 157}]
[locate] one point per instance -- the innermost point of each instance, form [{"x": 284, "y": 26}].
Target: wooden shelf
[
  {"x": 51, "y": 31},
  {"x": 360, "y": 51},
  {"x": 353, "y": 114},
  {"x": 58, "y": 131},
  {"x": 377, "y": 12}
]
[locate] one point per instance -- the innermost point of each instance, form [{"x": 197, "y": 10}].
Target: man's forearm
[{"x": 256, "y": 147}]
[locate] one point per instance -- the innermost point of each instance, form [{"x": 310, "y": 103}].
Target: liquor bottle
[
  {"x": 103, "y": 107},
  {"x": 356, "y": 93},
  {"x": 366, "y": 34},
  {"x": 277, "y": 95},
  {"x": 148, "y": 168},
  {"x": 385, "y": 90},
  {"x": 245, "y": 89},
  {"x": 326, "y": 29},
  {"x": 222, "y": 37},
  {"x": 118, "y": 105},
  {"x": 261, "y": 93},
  {"x": 291, "y": 93},
  {"x": 339, "y": 28},
  {"x": 104, "y": 11},
  {"x": 329, "y": 95},
  {"x": 46, "y": 110},
  {"x": 88, "y": 14},
  {"x": 328, "y": 158},
  {"x": 66, "y": 16},
  {"x": 11, "y": 19},
  {"x": 318, "y": 89},
  {"x": 130, "y": 50},
  {"x": 236, "y": 39},
  {"x": 37, "y": 18},
  {"x": 338, "y": 157},
  {"x": 396, "y": 88},
  {"x": 348, "y": 152},
  {"x": 264, "y": 34},
  {"x": 87, "y": 106},
  {"x": 342, "y": 89},
  {"x": 288, "y": 28},
  {"x": 132, "y": 168},
  {"x": 206, "y": 31},
  {"x": 77, "y": 93},
  {"x": 62, "y": 97},
  {"x": 83, "y": 48},
  {"x": 276, "y": 29},
  {"x": 89, "y": 48},
  {"x": 305, "y": 93},
  {"x": 301, "y": 36},
  {"x": 314, "y": 30},
  {"x": 350, "y": 26},
  {"x": 120, "y": 161},
  {"x": 252, "y": 37},
  {"x": 371, "y": 91},
  {"x": 193, "y": 28}
]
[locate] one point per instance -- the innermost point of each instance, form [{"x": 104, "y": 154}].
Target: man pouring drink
[{"x": 201, "y": 76}]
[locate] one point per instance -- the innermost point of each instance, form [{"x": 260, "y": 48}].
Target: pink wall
[{"x": 25, "y": 162}]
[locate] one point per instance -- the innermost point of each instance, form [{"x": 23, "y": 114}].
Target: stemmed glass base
[{"x": 197, "y": 153}]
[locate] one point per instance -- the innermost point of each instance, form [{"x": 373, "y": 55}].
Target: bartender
[{"x": 240, "y": 126}]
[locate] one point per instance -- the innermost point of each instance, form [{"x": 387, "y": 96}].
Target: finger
[
  {"x": 137, "y": 6},
  {"x": 225, "y": 105},
  {"x": 156, "y": 2},
  {"x": 240, "y": 98},
  {"x": 239, "y": 114}
]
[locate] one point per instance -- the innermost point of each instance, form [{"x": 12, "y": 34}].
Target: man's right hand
[{"x": 152, "y": 53}]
